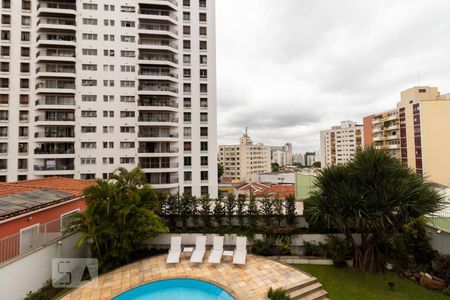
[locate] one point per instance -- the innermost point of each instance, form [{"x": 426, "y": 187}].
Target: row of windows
[
  {"x": 108, "y": 7},
  {"x": 26, "y": 4},
  {"x": 109, "y": 37},
  {"x": 5, "y": 51},
  {"x": 93, "y": 82},
  {"x": 24, "y": 83},
  {"x": 22, "y": 164},
  {"x": 6, "y": 20},
  {"x": 188, "y": 176},
  {"x": 5, "y": 35}
]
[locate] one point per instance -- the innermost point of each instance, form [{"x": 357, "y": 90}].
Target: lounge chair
[
  {"x": 216, "y": 252},
  {"x": 175, "y": 250},
  {"x": 240, "y": 253},
  {"x": 200, "y": 248}
]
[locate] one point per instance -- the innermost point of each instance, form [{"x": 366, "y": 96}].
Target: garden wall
[{"x": 439, "y": 240}]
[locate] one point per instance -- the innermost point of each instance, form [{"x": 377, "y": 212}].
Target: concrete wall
[
  {"x": 30, "y": 271},
  {"x": 439, "y": 241},
  {"x": 163, "y": 241}
]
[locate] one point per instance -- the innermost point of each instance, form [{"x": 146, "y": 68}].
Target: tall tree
[
  {"x": 230, "y": 207},
  {"x": 373, "y": 195},
  {"x": 119, "y": 217}
]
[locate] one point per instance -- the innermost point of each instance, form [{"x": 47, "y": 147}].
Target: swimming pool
[{"x": 176, "y": 289}]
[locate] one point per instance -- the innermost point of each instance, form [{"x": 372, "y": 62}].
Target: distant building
[
  {"x": 280, "y": 177},
  {"x": 304, "y": 184},
  {"x": 310, "y": 158},
  {"x": 282, "y": 155},
  {"x": 242, "y": 161},
  {"x": 298, "y": 159},
  {"x": 416, "y": 131},
  {"x": 339, "y": 144}
]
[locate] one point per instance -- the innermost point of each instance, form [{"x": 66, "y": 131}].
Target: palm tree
[
  {"x": 373, "y": 195},
  {"x": 120, "y": 215}
]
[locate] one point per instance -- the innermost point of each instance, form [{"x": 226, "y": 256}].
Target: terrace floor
[{"x": 251, "y": 281}]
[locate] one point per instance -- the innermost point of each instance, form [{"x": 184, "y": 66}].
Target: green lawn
[
  {"x": 349, "y": 284},
  {"x": 440, "y": 222}
]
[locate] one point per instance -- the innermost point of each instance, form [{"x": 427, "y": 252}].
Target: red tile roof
[
  {"x": 278, "y": 191},
  {"x": 74, "y": 187}
]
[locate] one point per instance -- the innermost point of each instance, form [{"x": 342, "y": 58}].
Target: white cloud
[{"x": 289, "y": 68}]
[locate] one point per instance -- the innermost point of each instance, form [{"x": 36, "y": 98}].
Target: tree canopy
[{"x": 373, "y": 195}]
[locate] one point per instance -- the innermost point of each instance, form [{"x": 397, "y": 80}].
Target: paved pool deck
[{"x": 249, "y": 281}]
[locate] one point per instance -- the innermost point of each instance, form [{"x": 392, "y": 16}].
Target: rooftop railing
[{"x": 13, "y": 245}]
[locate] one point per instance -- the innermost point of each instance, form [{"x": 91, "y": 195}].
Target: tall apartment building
[
  {"x": 339, "y": 144},
  {"x": 282, "y": 155},
  {"x": 416, "y": 131},
  {"x": 87, "y": 86},
  {"x": 243, "y": 160}
]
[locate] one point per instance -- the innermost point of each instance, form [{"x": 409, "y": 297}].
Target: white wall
[{"x": 29, "y": 272}]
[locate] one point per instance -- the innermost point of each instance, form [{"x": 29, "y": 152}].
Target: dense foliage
[
  {"x": 185, "y": 213},
  {"x": 120, "y": 215},
  {"x": 373, "y": 195},
  {"x": 277, "y": 294}
]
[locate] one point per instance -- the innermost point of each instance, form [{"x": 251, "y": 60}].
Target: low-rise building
[
  {"x": 262, "y": 190},
  {"x": 242, "y": 161},
  {"x": 34, "y": 212},
  {"x": 416, "y": 131},
  {"x": 339, "y": 144},
  {"x": 279, "y": 177},
  {"x": 304, "y": 184}
]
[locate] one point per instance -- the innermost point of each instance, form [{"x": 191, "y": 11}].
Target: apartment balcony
[
  {"x": 394, "y": 146},
  {"x": 157, "y": 74},
  {"x": 55, "y": 102},
  {"x": 158, "y": 30},
  {"x": 157, "y": 151},
  {"x": 59, "y": 150},
  {"x": 164, "y": 4},
  {"x": 377, "y": 121},
  {"x": 42, "y": 168},
  {"x": 65, "y": 55},
  {"x": 156, "y": 134},
  {"x": 158, "y": 119},
  {"x": 57, "y": 8},
  {"x": 157, "y": 103},
  {"x": 392, "y": 137},
  {"x": 392, "y": 127},
  {"x": 56, "y": 39},
  {"x": 56, "y": 86},
  {"x": 378, "y": 138},
  {"x": 157, "y": 44},
  {"x": 157, "y": 14},
  {"x": 162, "y": 180},
  {"x": 55, "y": 119},
  {"x": 153, "y": 59},
  {"x": 158, "y": 89},
  {"x": 57, "y": 23},
  {"x": 161, "y": 166},
  {"x": 56, "y": 71},
  {"x": 52, "y": 136}
]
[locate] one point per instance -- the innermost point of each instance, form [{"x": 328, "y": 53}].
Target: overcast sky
[{"x": 289, "y": 68}]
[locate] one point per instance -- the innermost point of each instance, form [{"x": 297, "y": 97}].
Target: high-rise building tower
[
  {"x": 339, "y": 144},
  {"x": 416, "y": 131},
  {"x": 87, "y": 86}
]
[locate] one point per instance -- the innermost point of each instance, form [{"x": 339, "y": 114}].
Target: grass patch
[{"x": 349, "y": 284}]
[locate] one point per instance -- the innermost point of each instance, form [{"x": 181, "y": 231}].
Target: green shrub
[
  {"x": 278, "y": 294},
  {"x": 263, "y": 248},
  {"x": 44, "y": 293},
  {"x": 446, "y": 291},
  {"x": 339, "y": 250},
  {"x": 313, "y": 249},
  {"x": 441, "y": 267}
]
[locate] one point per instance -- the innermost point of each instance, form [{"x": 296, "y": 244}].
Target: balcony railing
[
  {"x": 56, "y": 69},
  {"x": 56, "y": 85},
  {"x": 157, "y": 134},
  {"x": 158, "y": 43},
  {"x": 13, "y": 246},
  {"x": 57, "y": 21},
  {"x": 55, "y": 118},
  {"x": 157, "y": 102},
  {"x": 157, "y": 72},
  {"x": 54, "y": 151},
  {"x": 157, "y": 150},
  {"x": 157, "y": 88},
  {"x": 157, "y": 118},
  {"x": 158, "y": 27},
  {"x": 160, "y": 165},
  {"x": 155, "y": 12},
  {"x": 54, "y": 168},
  {"x": 56, "y": 101},
  {"x": 57, "y": 37},
  {"x": 159, "y": 58},
  {"x": 57, "y": 5},
  {"x": 53, "y": 135},
  {"x": 56, "y": 53}
]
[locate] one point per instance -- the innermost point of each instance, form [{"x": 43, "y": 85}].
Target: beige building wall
[{"x": 436, "y": 140}]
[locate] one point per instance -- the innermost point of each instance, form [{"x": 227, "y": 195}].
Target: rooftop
[{"x": 20, "y": 197}]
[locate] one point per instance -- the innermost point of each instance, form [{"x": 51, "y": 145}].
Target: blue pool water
[{"x": 176, "y": 289}]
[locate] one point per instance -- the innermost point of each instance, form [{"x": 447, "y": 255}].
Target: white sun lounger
[
  {"x": 200, "y": 248},
  {"x": 216, "y": 252},
  {"x": 240, "y": 253},
  {"x": 175, "y": 250}
]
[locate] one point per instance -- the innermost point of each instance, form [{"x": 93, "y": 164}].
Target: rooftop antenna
[{"x": 246, "y": 130}]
